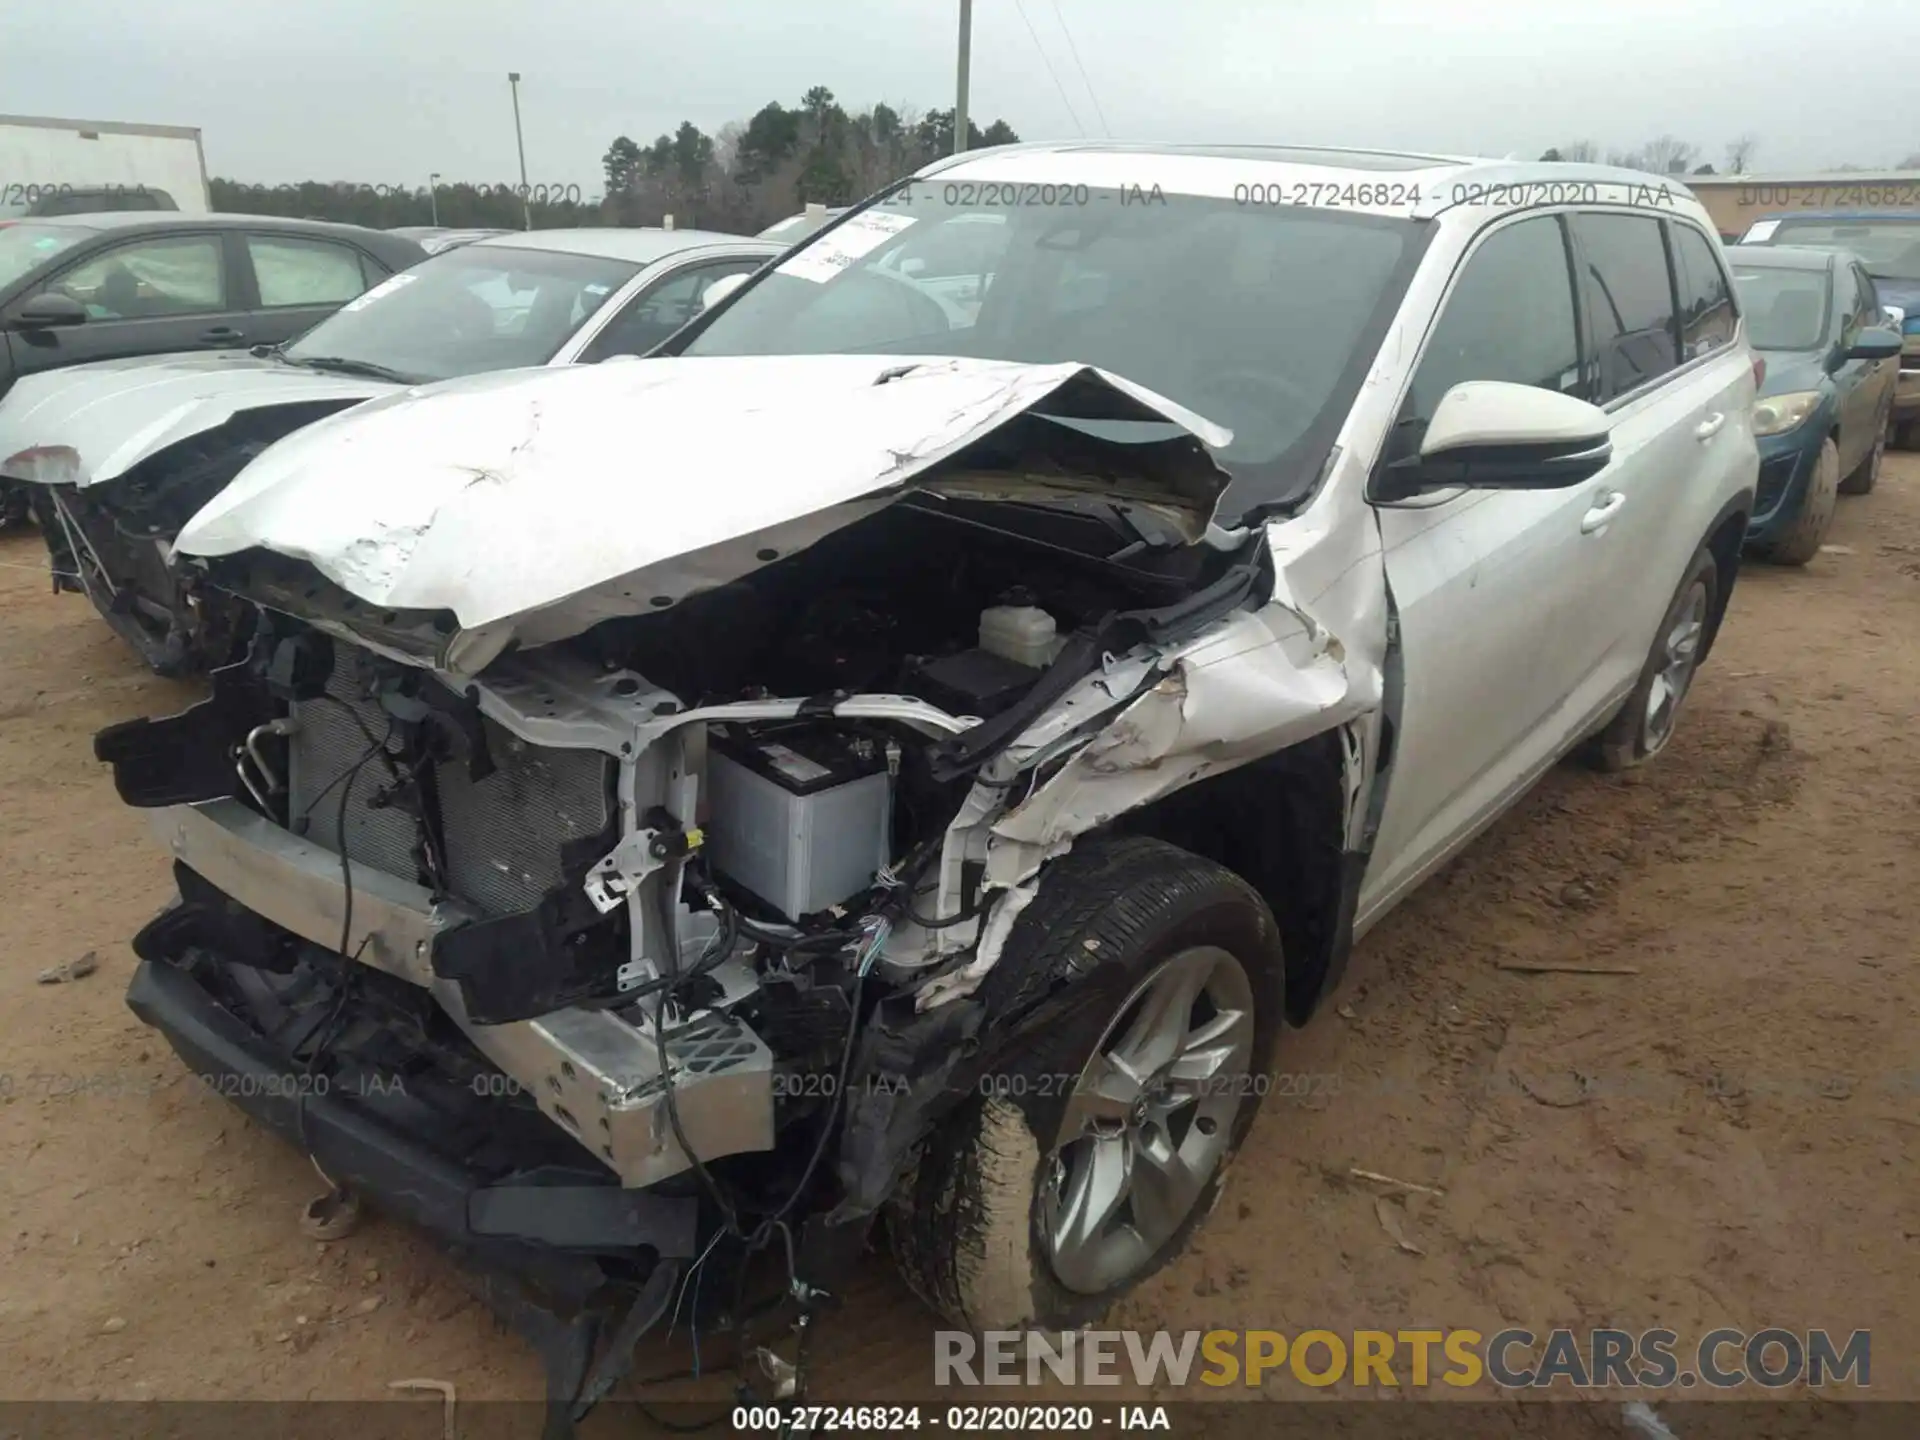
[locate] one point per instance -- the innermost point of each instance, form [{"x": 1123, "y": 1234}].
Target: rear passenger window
[
  {"x": 293, "y": 271},
  {"x": 1509, "y": 317},
  {"x": 1707, "y": 316},
  {"x": 1629, "y": 300}
]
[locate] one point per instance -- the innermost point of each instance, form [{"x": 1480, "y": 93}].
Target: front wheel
[
  {"x": 1084, "y": 1164},
  {"x": 1800, "y": 542},
  {"x": 1647, "y": 721}
]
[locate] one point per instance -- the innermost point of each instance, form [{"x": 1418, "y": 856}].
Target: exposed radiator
[{"x": 503, "y": 834}]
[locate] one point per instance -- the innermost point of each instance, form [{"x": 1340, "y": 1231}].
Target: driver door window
[
  {"x": 661, "y": 309},
  {"x": 1510, "y": 317},
  {"x": 150, "y": 279}
]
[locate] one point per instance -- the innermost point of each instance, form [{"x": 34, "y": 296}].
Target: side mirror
[
  {"x": 1875, "y": 343},
  {"x": 47, "y": 311},
  {"x": 719, "y": 290},
  {"x": 1493, "y": 435}
]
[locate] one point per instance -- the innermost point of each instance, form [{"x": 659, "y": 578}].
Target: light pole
[
  {"x": 433, "y": 195},
  {"x": 960, "y": 96},
  {"x": 526, "y": 201}
]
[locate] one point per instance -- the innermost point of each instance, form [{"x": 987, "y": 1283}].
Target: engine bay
[{"x": 725, "y": 829}]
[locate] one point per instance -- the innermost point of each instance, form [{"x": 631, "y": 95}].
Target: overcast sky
[{"x": 384, "y": 91}]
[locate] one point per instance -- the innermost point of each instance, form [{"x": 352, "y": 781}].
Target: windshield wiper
[{"x": 345, "y": 365}]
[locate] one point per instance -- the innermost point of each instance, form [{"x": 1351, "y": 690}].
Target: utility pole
[
  {"x": 960, "y": 125},
  {"x": 433, "y": 194},
  {"x": 526, "y": 195}
]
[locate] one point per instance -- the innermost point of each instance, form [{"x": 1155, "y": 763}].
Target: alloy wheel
[
  {"x": 1149, "y": 1120},
  {"x": 1679, "y": 658}
]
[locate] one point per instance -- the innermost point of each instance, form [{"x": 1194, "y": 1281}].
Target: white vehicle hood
[
  {"x": 533, "y": 504},
  {"x": 89, "y": 424}
]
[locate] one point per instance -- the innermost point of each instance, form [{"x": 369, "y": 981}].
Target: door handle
[
  {"x": 1604, "y": 510},
  {"x": 221, "y": 335},
  {"x": 1709, "y": 427}
]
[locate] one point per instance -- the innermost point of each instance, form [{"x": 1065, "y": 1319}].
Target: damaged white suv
[{"x": 890, "y": 756}]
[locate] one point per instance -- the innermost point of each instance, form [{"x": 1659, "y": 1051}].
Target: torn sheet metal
[
  {"x": 534, "y": 504},
  {"x": 1255, "y": 683},
  {"x": 89, "y": 424}
]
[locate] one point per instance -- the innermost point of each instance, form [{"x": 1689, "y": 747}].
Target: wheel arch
[
  {"x": 1724, "y": 539},
  {"x": 1280, "y": 824}
]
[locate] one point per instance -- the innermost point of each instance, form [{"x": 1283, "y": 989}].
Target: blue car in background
[
  {"x": 1887, "y": 243},
  {"x": 1821, "y": 417}
]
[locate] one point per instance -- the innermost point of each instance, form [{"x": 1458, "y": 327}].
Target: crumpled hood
[
  {"x": 89, "y": 424},
  {"x": 533, "y": 504}
]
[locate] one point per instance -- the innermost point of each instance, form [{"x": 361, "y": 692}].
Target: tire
[
  {"x": 1906, "y": 435},
  {"x": 16, "y": 506},
  {"x": 1641, "y": 729},
  {"x": 971, "y": 1225},
  {"x": 1801, "y": 542},
  {"x": 1861, "y": 481}
]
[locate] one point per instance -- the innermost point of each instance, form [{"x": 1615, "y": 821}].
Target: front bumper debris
[
  {"x": 560, "y": 1255},
  {"x": 593, "y": 1072}
]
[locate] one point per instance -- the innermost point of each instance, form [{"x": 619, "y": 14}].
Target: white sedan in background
[{"x": 124, "y": 451}]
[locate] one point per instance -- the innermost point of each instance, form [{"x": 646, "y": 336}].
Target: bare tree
[
  {"x": 1740, "y": 152},
  {"x": 1912, "y": 162},
  {"x": 726, "y": 144},
  {"x": 1668, "y": 155},
  {"x": 1579, "y": 152}
]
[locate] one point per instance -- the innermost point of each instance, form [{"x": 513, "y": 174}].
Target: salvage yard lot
[{"x": 1728, "y": 1135}]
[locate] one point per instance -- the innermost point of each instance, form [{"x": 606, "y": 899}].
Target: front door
[
  {"x": 1477, "y": 577},
  {"x": 148, "y": 296}
]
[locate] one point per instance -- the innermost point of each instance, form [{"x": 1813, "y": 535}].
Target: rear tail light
[{"x": 1759, "y": 371}]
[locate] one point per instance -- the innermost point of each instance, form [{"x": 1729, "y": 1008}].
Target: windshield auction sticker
[
  {"x": 840, "y": 247},
  {"x": 385, "y": 287}
]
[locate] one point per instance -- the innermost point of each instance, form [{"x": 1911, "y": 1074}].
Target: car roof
[
  {"x": 641, "y": 245},
  {"x": 1331, "y": 156},
  {"x": 1440, "y": 182},
  {"x": 1786, "y": 257},
  {"x": 216, "y": 220},
  {"x": 1829, "y": 216}
]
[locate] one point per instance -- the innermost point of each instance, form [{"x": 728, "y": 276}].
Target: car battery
[{"x": 801, "y": 817}]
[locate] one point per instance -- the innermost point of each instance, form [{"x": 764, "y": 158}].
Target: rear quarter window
[{"x": 1708, "y": 316}]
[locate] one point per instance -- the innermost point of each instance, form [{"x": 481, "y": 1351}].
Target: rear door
[
  {"x": 144, "y": 296},
  {"x": 296, "y": 281},
  {"x": 1663, "y": 329}
]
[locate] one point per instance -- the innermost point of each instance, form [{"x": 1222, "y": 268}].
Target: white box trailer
[{"x": 41, "y": 156}]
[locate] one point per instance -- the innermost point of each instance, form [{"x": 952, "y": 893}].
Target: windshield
[
  {"x": 1890, "y": 249},
  {"x": 26, "y": 247},
  {"x": 1785, "y": 309},
  {"x": 468, "y": 310},
  {"x": 1260, "y": 318}
]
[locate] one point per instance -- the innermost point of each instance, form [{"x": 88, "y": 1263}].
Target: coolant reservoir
[{"x": 1023, "y": 634}]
